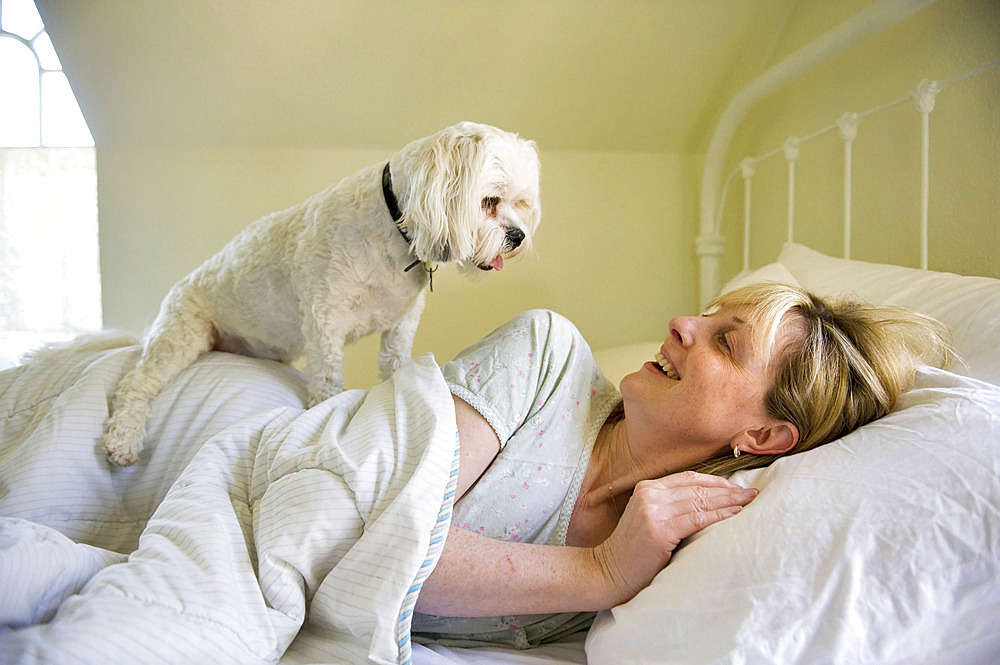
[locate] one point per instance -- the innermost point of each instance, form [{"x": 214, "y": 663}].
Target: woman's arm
[
  {"x": 479, "y": 576},
  {"x": 478, "y": 445}
]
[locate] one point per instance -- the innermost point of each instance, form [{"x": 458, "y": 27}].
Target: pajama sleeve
[{"x": 509, "y": 375}]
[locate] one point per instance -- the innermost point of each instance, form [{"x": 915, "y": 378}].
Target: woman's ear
[{"x": 774, "y": 439}]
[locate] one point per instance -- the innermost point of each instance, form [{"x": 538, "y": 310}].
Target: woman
[{"x": 769, "y": 370}]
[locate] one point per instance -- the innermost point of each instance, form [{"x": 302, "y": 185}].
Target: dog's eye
[{"x": 490, "y": 204}]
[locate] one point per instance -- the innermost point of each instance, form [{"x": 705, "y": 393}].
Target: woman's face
[{"x": 708, "y": 388}]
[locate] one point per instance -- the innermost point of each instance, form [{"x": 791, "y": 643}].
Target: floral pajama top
[{"x": 536, "y": 382}]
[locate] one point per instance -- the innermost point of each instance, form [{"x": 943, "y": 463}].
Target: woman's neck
[
  {"x": 612, "y": 474},
  {"x": 606, "y": 488}
]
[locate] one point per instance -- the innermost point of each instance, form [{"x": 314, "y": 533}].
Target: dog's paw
[
  {"x": 323, "y": 389},
  {"x": 122, "y": 442},
  {"x": 387, "y": 365},
  {"x": 126, "y": 458},
  {"x": 316, "y": 398}
]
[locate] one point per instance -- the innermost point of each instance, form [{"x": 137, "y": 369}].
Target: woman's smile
[{"x": 667, "y": 366}]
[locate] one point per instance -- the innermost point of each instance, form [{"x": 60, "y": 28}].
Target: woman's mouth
[{"x": 666, "y": 366}]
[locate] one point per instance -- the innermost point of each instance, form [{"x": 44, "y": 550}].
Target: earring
[{"x": 736, "y": 451}]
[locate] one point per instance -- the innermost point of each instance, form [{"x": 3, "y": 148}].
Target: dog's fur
[{"x": 322, "y": 274}]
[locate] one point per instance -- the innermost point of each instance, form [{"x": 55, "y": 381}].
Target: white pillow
[
  {"x": 772, "y": 272},
  {"x": 970, "y": 306},
  {"x": 617, "y": 361},
  {"x": 882, "y": 547}
]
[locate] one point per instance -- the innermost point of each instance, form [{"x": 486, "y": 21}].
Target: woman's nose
[{"x": 682, "y": 329}]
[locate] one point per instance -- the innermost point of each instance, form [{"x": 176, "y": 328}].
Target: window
[{"x": 50, "y": 284}]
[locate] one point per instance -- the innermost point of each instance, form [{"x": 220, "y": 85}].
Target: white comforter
[{"x": 329, "y": 518}]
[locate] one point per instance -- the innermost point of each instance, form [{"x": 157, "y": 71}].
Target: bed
[{"x": 882, "y": 547}]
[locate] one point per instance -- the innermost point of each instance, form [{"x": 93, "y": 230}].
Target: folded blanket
[{"x": 330, "y": 517}]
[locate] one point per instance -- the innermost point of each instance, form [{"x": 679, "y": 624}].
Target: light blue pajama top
[{"x": 536, "y": 382}]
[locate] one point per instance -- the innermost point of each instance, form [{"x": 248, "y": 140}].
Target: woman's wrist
[
  {"x": 478, "y": 576},
  {"x": 611, "y": 582}
]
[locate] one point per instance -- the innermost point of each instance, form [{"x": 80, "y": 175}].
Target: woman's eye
[{"x": 723, "y": 340}]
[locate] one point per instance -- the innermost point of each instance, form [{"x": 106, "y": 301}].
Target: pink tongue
[{"x": 497, "y": 263}]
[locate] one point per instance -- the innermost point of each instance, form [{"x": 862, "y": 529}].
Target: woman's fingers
[
  {"x": 700, "y": 498},
  {"x": 682, "y": 512},
  {"x": 690, "y": 478},
  {"x": 693, "y": 516},
  {"x": 680, "y": 496}
]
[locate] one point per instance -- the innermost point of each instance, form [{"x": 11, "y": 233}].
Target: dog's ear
[{"x": 443, "y": 207}]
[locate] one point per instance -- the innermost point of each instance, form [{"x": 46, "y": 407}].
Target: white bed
[{"x": 882, "y": 547}]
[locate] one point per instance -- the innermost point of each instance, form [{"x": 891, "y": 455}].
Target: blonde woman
[{"x": 573, "y": 496}]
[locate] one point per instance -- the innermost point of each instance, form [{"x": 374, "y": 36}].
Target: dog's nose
[{"x": 515, "y": 237}]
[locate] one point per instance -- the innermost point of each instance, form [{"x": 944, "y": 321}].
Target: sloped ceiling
[{"x": 622, "y": 75}]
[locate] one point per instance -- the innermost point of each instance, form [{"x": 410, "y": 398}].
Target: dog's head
[{"x": 468, "y": 195}]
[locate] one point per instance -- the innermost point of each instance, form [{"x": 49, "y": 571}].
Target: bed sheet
[
  {"x": 569, "y": 652},
  {"x": 54, "y": 411},
  {"x": 287, "y": 509}
]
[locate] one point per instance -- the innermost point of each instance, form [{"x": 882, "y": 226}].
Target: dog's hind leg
[{"x": 181, "y": 333}]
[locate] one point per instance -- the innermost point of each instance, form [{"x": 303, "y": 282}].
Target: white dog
[{"x": 326, "y": 272}]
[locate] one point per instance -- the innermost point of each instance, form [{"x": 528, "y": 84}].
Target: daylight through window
[{"x": 50, "y": 284}]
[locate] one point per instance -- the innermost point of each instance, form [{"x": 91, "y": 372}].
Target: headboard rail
[
  {"x": 709, "y": 245},
  {"x": 923, "y": 95}
]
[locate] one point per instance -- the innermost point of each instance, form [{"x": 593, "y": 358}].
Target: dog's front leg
[
  {"x": 325, "y": 366},
  {"x": 396, "y": 343},
  {"x": 181, "y": 333},
  {"x": 324, "y": 350}
]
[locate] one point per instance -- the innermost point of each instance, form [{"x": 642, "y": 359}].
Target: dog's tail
[{"x": 104, "y": 340}]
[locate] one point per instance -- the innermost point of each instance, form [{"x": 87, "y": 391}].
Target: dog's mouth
[
  {"x": 513, "y": 240},
  {"x": 495, "y": 264}
]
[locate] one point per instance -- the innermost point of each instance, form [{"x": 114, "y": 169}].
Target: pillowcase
[
  {"x": 617, "y": 361},
  {"x": 881, "y": 547},
  {"x": 970, "y": 306},
  {"x": 772, "y": 272}
]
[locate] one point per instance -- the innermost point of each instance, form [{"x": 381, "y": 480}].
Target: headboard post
[
  {"x": 847, "y": 124},
  {"x": 925, "y": 95}
]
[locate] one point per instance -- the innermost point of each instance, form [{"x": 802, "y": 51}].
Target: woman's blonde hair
[{"x": 845, "y": 365}]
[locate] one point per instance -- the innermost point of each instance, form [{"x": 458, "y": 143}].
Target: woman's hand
[{"x": 660, "y": 514}]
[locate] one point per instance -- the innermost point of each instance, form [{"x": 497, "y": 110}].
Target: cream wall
[
  {"x": 613, "y": 252},
  {"x": 939, "y": 42},
  {"x": 615, "y": 247}
]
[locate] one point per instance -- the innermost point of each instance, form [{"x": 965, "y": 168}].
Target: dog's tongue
[{"x": 497, "y": 263}]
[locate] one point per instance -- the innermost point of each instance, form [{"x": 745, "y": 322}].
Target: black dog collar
[
  {"x": 390, "y": 200},
  {"x": 393, "y": 205}
]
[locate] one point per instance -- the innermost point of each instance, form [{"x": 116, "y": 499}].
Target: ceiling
[{"x": 623, "y": 75}]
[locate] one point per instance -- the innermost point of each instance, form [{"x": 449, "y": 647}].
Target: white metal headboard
[
  {"x": 869, "y": 22},
  {"x": 924, "y": 95}
]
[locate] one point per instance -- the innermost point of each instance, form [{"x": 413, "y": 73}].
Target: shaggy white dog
[{"x": 341, "y": 265}]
